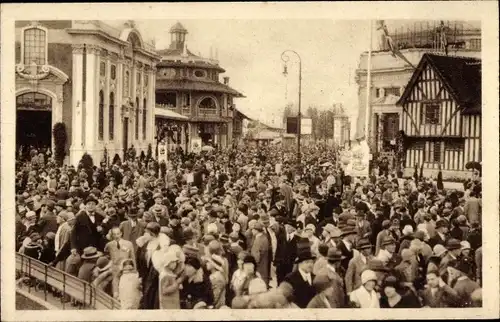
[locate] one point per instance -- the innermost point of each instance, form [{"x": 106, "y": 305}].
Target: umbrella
[
  {"x": 207, "y": 148},
  {"x": 327, "y": 164}
]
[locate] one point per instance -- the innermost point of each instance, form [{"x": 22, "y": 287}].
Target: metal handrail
[{"x": 78, "y": 289}]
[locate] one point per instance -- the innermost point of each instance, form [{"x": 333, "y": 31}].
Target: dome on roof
[{"x": 178, "y": 27}]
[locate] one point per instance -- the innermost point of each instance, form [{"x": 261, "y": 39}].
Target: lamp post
[{"x": 285, "y": 58}]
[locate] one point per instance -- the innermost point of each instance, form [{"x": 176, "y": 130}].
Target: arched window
[
  {"x": 101, "y": 115},
  {"x": 144, "y": 119},
  {"x": 35, "y": 46},
  {"x": 111, "y": 116},
  {"x": 208, "y": 103},
  {"x": 137, "y": 118}
]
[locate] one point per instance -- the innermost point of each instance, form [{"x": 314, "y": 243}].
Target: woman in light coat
[
  {"x": 129, "y": 288},
  {"x": 365, "y": 297}
]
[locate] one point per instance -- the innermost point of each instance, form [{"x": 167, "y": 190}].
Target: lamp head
[{"x": 285, "y": 70}]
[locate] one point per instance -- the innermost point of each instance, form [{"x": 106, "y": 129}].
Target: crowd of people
[{"x": 245, "y": 228}]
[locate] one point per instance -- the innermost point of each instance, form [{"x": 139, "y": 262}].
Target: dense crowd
[{"x": 246, "y": 228}]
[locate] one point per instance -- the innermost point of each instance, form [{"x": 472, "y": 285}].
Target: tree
[{"x": 60, "y": 140}]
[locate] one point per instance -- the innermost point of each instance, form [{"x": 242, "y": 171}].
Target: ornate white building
[{"x": 95, "y": 77}]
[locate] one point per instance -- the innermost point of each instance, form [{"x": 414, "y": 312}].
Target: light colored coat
[
  {"x": 365, "y": 299},
  {"x": 353, "y": 273},
  {"x": 260, "y": 251},
  {"x": 169, "y": 291},
  {"x": 129, "y": 290}
]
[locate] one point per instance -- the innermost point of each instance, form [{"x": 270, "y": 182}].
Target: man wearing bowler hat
[
  {"x": 132, "y": 228},
  {"x": 441, "y": 236},
  {"x": 302, "y": 279},
  {"x": 346, "y": 245},
  {"x": 454, "y": 250},
  {"x": 87, "y": 230}
]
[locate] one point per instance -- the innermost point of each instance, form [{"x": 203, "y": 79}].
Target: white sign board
[
  {"x": 162, "y": 152},
  {"x": 305, "y": 126},
  {"x": 196, "y": 145},
  {"x": 357, "y": 160}
]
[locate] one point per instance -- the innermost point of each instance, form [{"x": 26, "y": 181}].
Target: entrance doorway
[{"x": 33, "y": 122}]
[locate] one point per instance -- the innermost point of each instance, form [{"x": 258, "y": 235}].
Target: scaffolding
[{"x": 426, "y": 35}]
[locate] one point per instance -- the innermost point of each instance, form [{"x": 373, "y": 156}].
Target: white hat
[
  {"x": 465, "y": 245},
  {"x": 212, "y": 228},
  {"x": 256, "y": 286},
  {"x": 407, "y": 230},
  {"x": 368, "y": 275},
  {"x": 439, "y": 250},
  {"x": 310, "y": 227},
  {"x": 30, "y": 214}
]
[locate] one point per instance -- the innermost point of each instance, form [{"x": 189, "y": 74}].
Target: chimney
[{"x": 226, "y": 80}]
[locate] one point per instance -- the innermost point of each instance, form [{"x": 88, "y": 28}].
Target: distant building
[
  {"x": 95, "y": 77},
  {"x": 389, "y": 74},
  {"x": 191, "y": 102},
  {"x": 442, "y": 115},
  {"x": 341, "y": 126}
]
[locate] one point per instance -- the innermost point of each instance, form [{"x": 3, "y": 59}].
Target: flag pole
[{"x": 368, "y": 86}]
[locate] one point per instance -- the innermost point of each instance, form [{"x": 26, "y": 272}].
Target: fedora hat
[
  {"x": 91, "y": 252},
  {"x": 334, "y": 255},
  {"x": 453, "y": 244},
  {"x": 388, "y": 240},
  {"x": 377, "y": 265},
  {"x": 363, "y": 244},
  {"x": 91, "y": 198},
  {"x": 348, "y": 230},
  {"x": 264, "y": 218},
  {"x": 304, "y": 254},
  {"x": 441, "y": 223}
]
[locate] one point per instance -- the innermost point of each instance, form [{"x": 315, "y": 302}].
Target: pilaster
[
  {"x": 91, "y": 121},
  {"x": 77, "y": 113}
]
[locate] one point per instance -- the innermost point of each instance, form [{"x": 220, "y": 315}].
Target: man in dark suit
[
  {"x": 441, "y": 233},
  {"x": 87, "y": 230},
  {"x": 48, "y": 220},
  {"x": 132, "y": 228},
  {"x": 286, "y": 250},
  {"x": 346, "y": 246},
  {"x": 301, "y": 280}
]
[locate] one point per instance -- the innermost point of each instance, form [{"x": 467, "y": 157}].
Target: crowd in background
[{"x": 246, "y": 228}]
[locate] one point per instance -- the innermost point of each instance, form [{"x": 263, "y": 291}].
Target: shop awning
[{"x": 168, "y": 114}]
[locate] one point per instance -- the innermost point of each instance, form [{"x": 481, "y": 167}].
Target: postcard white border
[{"x": 485, "y": 11}]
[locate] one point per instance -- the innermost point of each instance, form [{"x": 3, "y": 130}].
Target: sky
[{"x": 250, "y": 52}]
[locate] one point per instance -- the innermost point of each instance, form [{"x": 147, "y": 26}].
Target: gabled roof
[
  {"x": 185, "y": 84},
  {"x": 461, "y": 76}
]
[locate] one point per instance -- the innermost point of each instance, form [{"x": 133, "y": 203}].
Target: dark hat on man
[
  {"x": 193, "y": 261},
  {"x": 441, "y": 223},
  {"x": 388, "y": 240},
  {"x": 250, "y": 259},
  {"x": 453, "y": 244},
  {"x": 259, "y": 226},
  {"x": 188, "y": 234},
  {"x": 274, "y": 212},
  {"x": 377, "y": 265},
  {"x": 334, "y": 255},
  {"x": 363, "y": 244},
  {"x": 61, "y": 203},
  {"x": 348, "y": 230},
  {"x": 304, "y": 254},
  {"x": 91, "y": 198}
]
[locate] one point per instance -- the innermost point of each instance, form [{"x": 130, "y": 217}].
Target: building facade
[
  {"x": 389, "y": 74},
  {"x": 341, "y": 126},
  {"x": 442, "y": 115},
  {"x": 201, "y": 108},
  {"x": 95, "y": 77}
]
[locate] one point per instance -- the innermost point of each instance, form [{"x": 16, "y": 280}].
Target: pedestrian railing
[{"x": 41, "y": 277}]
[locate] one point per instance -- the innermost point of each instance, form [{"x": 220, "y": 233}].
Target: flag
[{"x": 392, "y": 46}]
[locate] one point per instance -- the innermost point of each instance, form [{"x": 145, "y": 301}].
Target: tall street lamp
[{"x": 285, "y": 58}]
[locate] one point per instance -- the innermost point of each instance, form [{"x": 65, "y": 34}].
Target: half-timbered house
[{"x": 442, "y": 115}]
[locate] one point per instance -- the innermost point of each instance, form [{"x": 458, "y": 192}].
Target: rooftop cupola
[{"x": 178, "y": 36}]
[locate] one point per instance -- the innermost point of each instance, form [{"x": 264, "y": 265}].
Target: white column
[
  {"x": 107, "y": 82},
  {"x": 118, "y": 107},
  {"x": 76, "y": 104},
  {"x": 91, "y": 115},
  {"x": 151, "y": 106},
  {"x": 133, "y": 95},
  {"x": 141, "y": 103}
]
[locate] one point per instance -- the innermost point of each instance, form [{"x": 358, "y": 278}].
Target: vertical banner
[
  {"x": 162, "y": 153},
  {"x": 196, "y": 145},
  {"x": 360, "y": 159}
]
